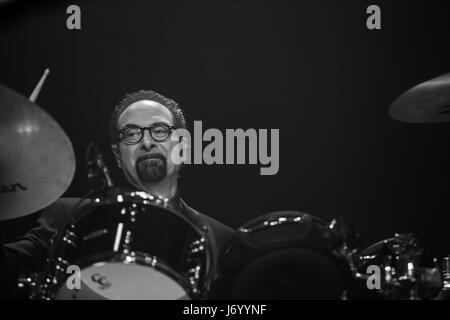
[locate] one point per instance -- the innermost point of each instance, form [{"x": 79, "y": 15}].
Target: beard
[{"x": 151, "y": 168}]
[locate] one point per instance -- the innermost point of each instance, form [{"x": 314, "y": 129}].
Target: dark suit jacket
[{"x": 29, "y": 253}]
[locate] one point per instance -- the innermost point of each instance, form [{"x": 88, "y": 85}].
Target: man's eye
[
  {"x": 160, "y": 131},
  {"x": 130, "y": 133}
]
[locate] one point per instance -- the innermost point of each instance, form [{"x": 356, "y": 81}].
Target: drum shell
[
  {"x": 283, "y": 255},
  {"x": 141, "y": 232}
]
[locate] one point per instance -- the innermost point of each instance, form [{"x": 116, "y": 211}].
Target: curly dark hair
[{"x": 130, "y": 98}]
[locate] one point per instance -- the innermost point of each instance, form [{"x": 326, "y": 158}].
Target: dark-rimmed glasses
[{"x": 133, "y": 134}]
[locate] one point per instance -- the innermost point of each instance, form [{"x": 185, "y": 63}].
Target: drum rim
[
  {"x": 268, "y": 220},
  {"x": 140, "y": 197},
  {"x": 416, "y": 250},
  {"x": 277, "y": 218}
]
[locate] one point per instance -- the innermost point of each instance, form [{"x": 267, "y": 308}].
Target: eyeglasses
[{"x": 133, "y": 134}]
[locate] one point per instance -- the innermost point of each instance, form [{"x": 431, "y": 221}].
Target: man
[{"x": 143, "y": 137}]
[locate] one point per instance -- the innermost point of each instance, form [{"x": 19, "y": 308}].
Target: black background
[{"x": 309, "y": 68}]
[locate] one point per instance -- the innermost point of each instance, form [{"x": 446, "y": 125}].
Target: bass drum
[
  {"x": 284, "y": 255},
  {"x": 134, "y": 246}
]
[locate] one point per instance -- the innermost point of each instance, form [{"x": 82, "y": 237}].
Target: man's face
[{"x": 147, "y": 161}]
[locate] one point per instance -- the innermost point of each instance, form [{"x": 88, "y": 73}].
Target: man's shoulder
[
  {"x": 69, "y": 203},
  {"x": 213, "y": 222},
  {"x": 222, "y": 233},
  {"x": 57, "y": 213}
]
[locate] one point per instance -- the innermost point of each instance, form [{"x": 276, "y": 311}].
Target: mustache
[{"x": 151, "y": 156}]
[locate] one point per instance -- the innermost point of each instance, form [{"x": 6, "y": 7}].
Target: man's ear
[{"x": 115, "y": 151}]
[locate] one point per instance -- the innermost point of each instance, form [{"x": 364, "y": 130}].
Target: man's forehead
[{"x": 144, "y": 113}]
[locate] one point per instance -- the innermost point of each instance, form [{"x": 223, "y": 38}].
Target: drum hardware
[
  {"x": 444, "y": 293},
  {"x": 28, "y": 282},
  {"x": 350, "y": 241},
  {"x": 394, "y": 259},
  {"x": 70, "y": 238},
  {"x": 349, "y": 246},
  {"x": 446, "y": 273},
  {"x": 196, "y": 249},
  {"x": 98, "y": 177},
  {"x": 407, "y": 272},
  {"x": 36, "y": 285}
]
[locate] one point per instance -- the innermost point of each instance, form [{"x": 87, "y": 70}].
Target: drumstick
[{"x": 38, "y": 88}]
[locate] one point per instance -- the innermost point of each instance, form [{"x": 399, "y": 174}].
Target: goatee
[{"x": 151, "y": 168}]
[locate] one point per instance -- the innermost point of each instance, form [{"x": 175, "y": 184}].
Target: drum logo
[{"x": 101, "y": 281}]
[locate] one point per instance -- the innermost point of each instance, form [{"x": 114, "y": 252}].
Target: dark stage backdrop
[{"x": 309, "y": 68}]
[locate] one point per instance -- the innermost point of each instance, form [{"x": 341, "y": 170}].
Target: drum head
[
  {"x": 289, "y": 273},
  {"x": 118, "y": 281}
]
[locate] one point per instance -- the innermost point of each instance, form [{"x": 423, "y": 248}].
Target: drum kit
[{"x": 134, "y": 245}]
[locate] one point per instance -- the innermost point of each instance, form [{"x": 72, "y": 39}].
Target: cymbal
[
  {"x": 37, "y": 161},
  {"x": 428, "y": 102}
]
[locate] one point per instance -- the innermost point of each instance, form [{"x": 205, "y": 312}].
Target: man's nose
[{"x": 147, "y": 141}]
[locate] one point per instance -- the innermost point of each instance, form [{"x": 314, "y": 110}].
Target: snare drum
[
  {"x": 284, "y": 255},
  {"x": 133, "y": 246}
]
